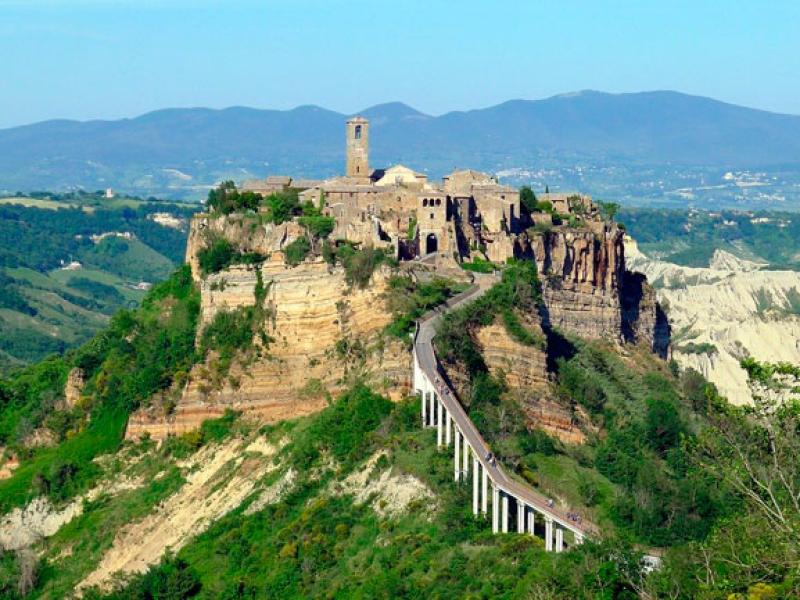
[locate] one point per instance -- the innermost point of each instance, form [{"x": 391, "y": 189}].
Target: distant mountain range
[{"x": 180, "y": 152}]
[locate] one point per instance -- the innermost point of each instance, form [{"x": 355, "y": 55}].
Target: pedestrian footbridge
[{"x": 515, "y": 506}]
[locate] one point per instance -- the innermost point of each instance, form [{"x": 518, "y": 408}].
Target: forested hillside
[
  {"x": 69, "y": 262},
  {"x": 690, "y": 237}
]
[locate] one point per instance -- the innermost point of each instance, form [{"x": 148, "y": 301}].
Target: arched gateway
[{"x": 431, "y": 243}]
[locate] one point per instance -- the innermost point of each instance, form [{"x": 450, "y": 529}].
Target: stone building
[
  {"x": 399, "y": 208},
  {"x": 467, "y": 213}
]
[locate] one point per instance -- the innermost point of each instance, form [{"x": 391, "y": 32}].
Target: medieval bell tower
[{"x": 358, "y": 147}]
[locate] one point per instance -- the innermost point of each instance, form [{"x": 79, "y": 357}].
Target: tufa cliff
[
  {"x": 319, "y": 332},
  {"x": 587, "y": 290}
]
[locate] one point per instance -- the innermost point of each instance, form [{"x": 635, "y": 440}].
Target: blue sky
[{"x": 86, "y": 59}]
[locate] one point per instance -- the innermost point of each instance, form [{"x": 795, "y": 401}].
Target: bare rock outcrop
[
  {"x": 562, "y": 422},
  {"x": 523, "y": 366},
  {"x": 587, "y": 290},
  {"x": 321, "y": 331},
  {"x": 581, "y": 272},
  {"x": 74, "y": 387}
]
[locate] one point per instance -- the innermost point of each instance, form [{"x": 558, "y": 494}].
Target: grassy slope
[
  {"x": 62, "y": 314},
  {"x": 140, "y": 353},
  {"x": 312, "y": 544}
]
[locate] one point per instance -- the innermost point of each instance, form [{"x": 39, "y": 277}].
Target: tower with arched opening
[{"x": 357, "y": 131}]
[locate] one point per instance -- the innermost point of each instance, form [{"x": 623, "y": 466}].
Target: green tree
[{"x": 527, "y": 198}]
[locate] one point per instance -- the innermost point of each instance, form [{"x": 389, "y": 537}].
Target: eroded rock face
[
  {"x": 321, "y": 331},
  {"x": 559, "y": 421},
  {"x": 588, "y": 292},
  {"x": 74, "y": 387},
  {"x": 581, "y": 272},
  {"x": 524, "y": 367},
  {"x": 724, "y": 312}
]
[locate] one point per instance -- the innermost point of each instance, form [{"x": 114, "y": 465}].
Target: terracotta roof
[{"x": 305, "y": 183}]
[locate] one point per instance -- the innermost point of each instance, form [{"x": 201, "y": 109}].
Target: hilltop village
[
  {"x": 320, "y": 302},
  {"x": 467, "y": 214}
]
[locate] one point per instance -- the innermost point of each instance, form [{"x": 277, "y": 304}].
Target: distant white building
[{"x": 72, "y": 266}]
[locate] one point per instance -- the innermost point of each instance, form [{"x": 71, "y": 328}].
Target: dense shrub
[
  {"x": 519, "y": 332},
  {"x": 171, "y": 579},
  {"x": 343, "y": 428},
  {"x": 479, "y": 265},
  {"x": 296, "y": 251},
  {"x": 359, "y": 264},
  {"x": 226, "y": 199},
  {"x": 527, "y": 198},
  {"x": 217, "y": 256},
  {"x": 231, "y": 332},
  {"x": 282, "y": 206},
  {"x": 408, "y": 300},
  {"x": 318, "y": 226},
  {"x": 220, "y": 254}
]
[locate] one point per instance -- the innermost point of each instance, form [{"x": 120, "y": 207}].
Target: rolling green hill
[
  {"x": 69, "y": 262},
  {"x": 690, "y": 237}
]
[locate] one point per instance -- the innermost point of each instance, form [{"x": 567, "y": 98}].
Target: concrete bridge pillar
[
  {"x": 431, "y": 407},
  {"x": 457, "y": 465},
  {"x": 548, "y": 534},
  {"x": 505, "y": 513},
  {"x": 485, "y": 482},
  {"x": 475, "y": 478},
  {"x": 578, "y": 539},
  {"x": 495, "y": 509},
  {"x": 520, "y": 516},
  {"x": 559, "y": 539},
  {"x": 439, "y": 421},
  {"x": 531, "y": 521},
  {"x": 465, "y": 455},
  {"x": 448, "y": 427}
]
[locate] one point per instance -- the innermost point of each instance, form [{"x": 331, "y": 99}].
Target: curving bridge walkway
[{"x": 515, "y": 506}]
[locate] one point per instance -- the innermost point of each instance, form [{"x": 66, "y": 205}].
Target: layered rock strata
[
  {"x": 322, "y": 331},
  {"x": 588, "y": 292}
]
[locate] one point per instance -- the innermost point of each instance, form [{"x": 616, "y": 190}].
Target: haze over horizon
[{"x": 110, "y": 59}]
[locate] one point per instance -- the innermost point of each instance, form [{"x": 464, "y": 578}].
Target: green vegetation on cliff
[
  {"x": 408, "y": 300},
  {"x": 312, "y": 543},
  {"x": 142, "y": 352},
  {"x": 220, "y": 254}
]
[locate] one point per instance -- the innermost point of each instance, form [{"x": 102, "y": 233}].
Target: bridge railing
[{"x": 480, "y": 448}]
